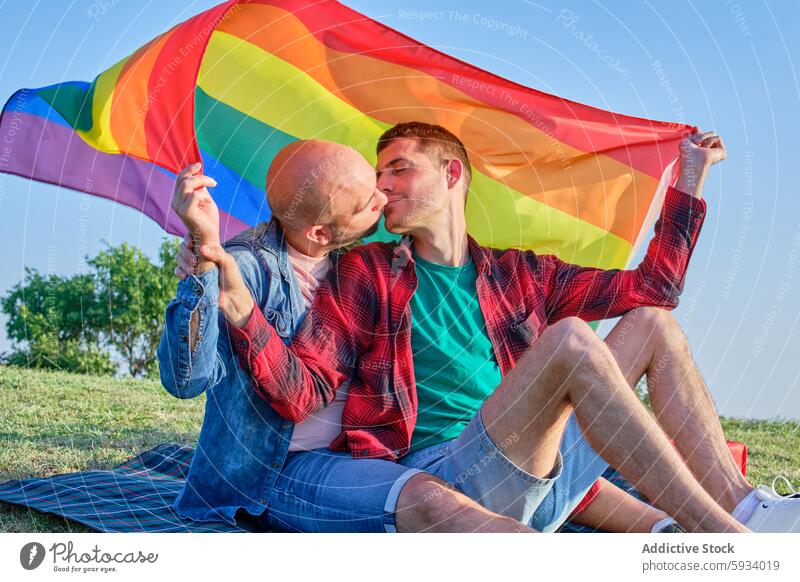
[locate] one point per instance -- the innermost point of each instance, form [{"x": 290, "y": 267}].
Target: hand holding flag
[
  {"x": 196, "y": 208},
  {"x": 699, "y": 151}
]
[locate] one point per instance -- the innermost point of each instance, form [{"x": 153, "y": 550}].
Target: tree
[
  {"x": 74, "y": 323},
  {"x": 134, "y": 293},
  {"x": 56, "y": 319}
]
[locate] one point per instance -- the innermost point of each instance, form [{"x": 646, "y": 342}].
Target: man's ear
[
  {"x": 455, "y": 169},
  {"x": 319, "y": 234}
]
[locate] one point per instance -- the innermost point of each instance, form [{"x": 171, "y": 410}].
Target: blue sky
[{"x": 721, "y": 65}]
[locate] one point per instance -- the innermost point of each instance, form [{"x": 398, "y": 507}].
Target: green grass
[
  {"x": 773, "y": 449},
  {"x": 54, "y": 422}
]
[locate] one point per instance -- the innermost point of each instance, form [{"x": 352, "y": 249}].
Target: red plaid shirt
[{"x": 359, "y": 327}]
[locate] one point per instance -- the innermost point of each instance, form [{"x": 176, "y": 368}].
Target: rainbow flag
[{"x": 232, "y": 85}]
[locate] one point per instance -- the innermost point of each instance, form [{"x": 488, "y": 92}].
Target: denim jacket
[{"x": 243, "y": 442}]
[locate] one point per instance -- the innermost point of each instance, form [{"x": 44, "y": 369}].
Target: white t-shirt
[{"x": 318, "y": 430}]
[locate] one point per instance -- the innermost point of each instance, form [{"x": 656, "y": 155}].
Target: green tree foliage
[{"x": 79, "y": 323}]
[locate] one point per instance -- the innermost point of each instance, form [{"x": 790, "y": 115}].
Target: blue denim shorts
[
  {"x": 326, "y": 491},
  {"x": 476, "y": 466},
  {"x": 582, "y": 467}
]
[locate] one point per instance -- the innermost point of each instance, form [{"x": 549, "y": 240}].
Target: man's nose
[
  {"x": 384, "y": 182},
  {"x": 380, "y": 200}
]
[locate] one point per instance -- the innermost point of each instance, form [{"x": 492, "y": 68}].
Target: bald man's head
[{"x": 316, "y": 182}]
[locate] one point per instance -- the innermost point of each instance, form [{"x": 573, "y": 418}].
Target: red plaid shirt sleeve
[
  {"x": 594, "y": 294},
  {"x": 299, "y": 380}
]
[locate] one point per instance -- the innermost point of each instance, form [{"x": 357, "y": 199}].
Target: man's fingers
[
  {"x": 180, "y": 273},
  {"x": 230, "y": 275},
  {"x": 229, "y": 270},
  {"x": 191, "y": 201},
  {"x": 701, "y": 137},
  {"x": 186, "y": 260},
  {"x": 187, "y": 255},
  {"x": 189, "y": 170},
  {"x": 186, "y": 266},
  {"x": 177, "y": 192},
  {"x": 213, "y": 253},
  {"x": 193, "y": 183}
]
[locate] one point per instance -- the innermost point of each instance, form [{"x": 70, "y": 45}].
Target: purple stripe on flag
[{"x": 33, "y": 147}]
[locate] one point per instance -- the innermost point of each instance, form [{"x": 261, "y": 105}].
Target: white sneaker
[{"x": 775, "y": 513}]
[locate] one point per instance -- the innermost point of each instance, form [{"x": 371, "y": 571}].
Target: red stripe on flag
[{"x": 169, "y": 124}]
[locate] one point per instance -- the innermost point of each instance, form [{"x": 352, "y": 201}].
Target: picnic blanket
[{"x": 138, "y": 495}]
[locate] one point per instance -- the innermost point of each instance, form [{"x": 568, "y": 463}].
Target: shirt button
[
  {"x": 286, "y": 426},
  {"x": 262, "y": 501},
  {"x": 364, "y": 453},
  {"x": 276, "y": 465}
]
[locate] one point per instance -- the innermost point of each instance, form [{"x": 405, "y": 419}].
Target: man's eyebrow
[{"x": 393, "y": 162}]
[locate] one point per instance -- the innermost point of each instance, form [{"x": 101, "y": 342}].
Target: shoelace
[
  {"x": 769, "y": 496},
  {"x": 794, "y": 492}
]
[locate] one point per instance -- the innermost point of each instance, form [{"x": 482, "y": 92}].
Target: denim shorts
[
  {"x": 582, "y": 467},
  {"x": 476, "y": 466},
  {"x": 326, "y": 491}
]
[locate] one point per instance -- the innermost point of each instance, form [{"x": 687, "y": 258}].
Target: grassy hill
[{"x": 54, "y": 422}]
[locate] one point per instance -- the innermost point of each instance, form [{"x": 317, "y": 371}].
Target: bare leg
[
  {"x": 615, "y": 510},
  {"x": 428, "y": 504},
  {"x": 649, "y": 340},
  {"x": 568, "y": 368}
]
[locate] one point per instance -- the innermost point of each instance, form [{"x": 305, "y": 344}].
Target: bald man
[
  {"x": 251, "y": 465},
  {"x": 323, "y": 196}
]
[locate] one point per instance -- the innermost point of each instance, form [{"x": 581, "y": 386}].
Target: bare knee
[
  {"x": 425, "y": 502},
  {"x": 659, "y": 327},
  {"x": 571, "y": 345}
]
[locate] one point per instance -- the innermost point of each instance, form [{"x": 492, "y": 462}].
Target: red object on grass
[{"x": 739, "y": 452}]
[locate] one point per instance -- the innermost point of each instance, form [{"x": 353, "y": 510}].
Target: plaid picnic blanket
[{"x": 136, "y": 496}]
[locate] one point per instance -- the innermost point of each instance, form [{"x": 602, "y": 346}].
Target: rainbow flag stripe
[{"x": 232, "y": 85}]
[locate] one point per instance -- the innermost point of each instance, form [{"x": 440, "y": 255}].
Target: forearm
[
  {"x": 295, "y": 384},
  {"x": 691, "y": 180},
  {"x": 658, "y": 280},
  {"x": 662, "y": 272},
  {"x": 194, "y": 319},
  {"x": 593, "y": 294},
  {"x": 188, "y": 351}
]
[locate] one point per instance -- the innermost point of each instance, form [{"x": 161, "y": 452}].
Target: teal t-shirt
[{"x": 454, "y": 363}]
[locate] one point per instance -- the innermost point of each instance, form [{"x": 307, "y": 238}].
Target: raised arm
[
  {"x": 594, "y": 294},
  {"x": 194, "y": 349},
  {"x": 303, "y": 378},
  {"x": 192, "y": 353}
]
